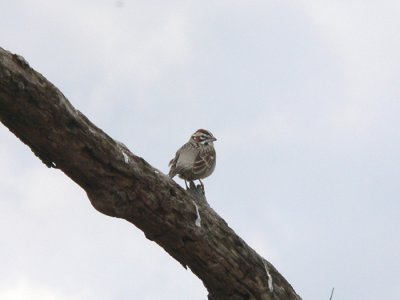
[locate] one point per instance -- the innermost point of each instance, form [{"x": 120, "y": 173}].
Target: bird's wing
[{"x": 203, "y": 161}]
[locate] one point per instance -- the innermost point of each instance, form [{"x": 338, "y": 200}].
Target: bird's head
[{"x": 203, "y": 137}]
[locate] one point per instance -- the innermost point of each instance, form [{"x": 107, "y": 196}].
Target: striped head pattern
[{"x": 203, "y": 137}]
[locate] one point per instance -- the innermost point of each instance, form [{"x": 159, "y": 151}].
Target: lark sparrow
[{"x": 195, "y": 159}]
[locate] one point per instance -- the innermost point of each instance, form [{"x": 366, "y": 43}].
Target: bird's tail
[{"x": 172, "y": 170}]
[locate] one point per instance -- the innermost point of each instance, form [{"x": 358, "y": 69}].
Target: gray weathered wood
[{"x": 121, "y": 184}]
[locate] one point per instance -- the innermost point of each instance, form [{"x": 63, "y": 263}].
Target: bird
[{"x": 196, "y": 159}]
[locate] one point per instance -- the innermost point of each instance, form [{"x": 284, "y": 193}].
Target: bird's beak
[{"x": 213, "y": 139}]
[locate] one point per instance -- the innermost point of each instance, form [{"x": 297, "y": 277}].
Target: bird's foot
[
  {"x": 197, "y": 191},
  {"x": 195, "y": 188}
]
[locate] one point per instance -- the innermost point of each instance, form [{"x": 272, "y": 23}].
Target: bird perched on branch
[{"x": 196, "y": 159}]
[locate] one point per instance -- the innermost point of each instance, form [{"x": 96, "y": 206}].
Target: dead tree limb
[{"x": 123, "y": 185}]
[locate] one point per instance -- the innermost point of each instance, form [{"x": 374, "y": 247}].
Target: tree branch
[{"x": 121, "y": 184}]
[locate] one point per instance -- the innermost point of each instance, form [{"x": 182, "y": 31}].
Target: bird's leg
[
  {"x": 186, "y": 185},
  {"x": 202, "y": 185},
  {"x": 192, "y": 186}
]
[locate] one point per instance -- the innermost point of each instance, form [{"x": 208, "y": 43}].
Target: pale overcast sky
[{"x": 303, "y": 96}]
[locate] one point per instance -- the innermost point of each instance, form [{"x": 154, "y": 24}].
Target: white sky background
[{"x": 303, "y": 97}]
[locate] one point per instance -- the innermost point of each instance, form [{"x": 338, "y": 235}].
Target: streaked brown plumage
[{"x": 196, "y": 159}]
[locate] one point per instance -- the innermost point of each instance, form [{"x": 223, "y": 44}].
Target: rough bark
[{"x": 121, "y": 184}]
